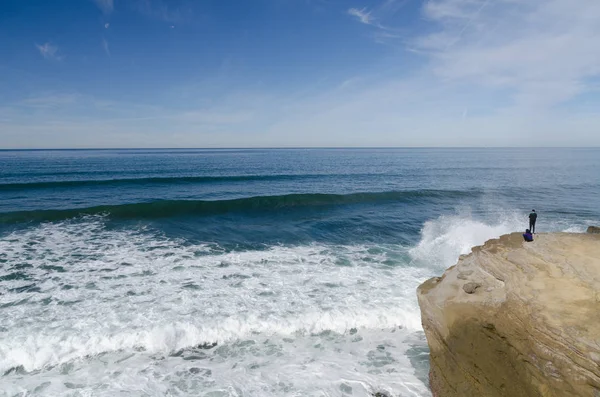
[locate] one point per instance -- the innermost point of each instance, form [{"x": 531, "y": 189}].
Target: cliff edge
[{"x": 517, "y": 319}]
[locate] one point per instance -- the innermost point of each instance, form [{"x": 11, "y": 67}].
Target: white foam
[
  {"x": 289, "y": 320},
  {"x": 444, "y": 239},
  {"x": 313, "y": 315}
]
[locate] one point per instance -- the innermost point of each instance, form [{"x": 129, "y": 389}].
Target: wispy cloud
[
  {"x": 485, "y": 73},
  {"x": 105, "y": 47},
  {"x": 363, "y": 15},
  {"x": 110, "y": 123},
  {"x": 49, "y": 100},
  {"x": 544, "y": 50},
  {"x": 378, "y": 17},
  {"x": 494, "y": 73},
  {"x": 107, "y": 6},
  {"x": 49, "y": 51}
]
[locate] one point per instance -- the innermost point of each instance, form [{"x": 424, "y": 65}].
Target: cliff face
[{"x": 517, "y": 319}]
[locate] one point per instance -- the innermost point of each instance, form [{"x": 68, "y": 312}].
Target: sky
[{"x": 299, "y": 73}]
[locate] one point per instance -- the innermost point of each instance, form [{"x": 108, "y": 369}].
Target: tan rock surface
[{"x": 517, "y": 319}]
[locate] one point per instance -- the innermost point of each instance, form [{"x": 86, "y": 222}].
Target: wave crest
[
  {"x": 444, "y": 239},
  {"x": 168, "y": 208}
]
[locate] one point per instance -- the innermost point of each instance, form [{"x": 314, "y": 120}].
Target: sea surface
[{"x": 251, "y": 272}]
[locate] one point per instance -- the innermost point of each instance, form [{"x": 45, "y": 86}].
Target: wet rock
[
  {"x": 381, "y": 394},
  {"x": 206, "y": 345},
  {"x": 593, "y": 230}
]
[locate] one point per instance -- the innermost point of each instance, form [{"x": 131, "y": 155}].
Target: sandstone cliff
[{"x": 517, "y": 319}]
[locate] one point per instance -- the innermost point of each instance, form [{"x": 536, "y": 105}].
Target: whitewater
[{"x": 310, "y": 295}]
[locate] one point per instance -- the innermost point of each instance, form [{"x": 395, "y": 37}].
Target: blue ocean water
[{"x": 280, "y": 272}]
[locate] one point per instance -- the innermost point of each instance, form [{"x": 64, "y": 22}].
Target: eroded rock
[
  {"x": 531, "y": 327},
  {"x": 470, "y": 288}
]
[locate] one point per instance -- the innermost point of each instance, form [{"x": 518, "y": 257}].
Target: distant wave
[
  {"x": 153, "y": 180},
  {"x": 168, "y": 208}
]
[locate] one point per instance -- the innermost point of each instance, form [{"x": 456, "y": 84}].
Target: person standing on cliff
[{"x": 532, "y": 219}]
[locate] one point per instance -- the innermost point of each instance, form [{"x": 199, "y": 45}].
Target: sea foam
[
  {"x": 102, "y": 299},
  {"x": 92, "y": 310}
]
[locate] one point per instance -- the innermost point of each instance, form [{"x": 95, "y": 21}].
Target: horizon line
[{"x": 297, "y": 148}]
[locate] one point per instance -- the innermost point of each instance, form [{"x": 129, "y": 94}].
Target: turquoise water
[{"x": 250, "y": 272}]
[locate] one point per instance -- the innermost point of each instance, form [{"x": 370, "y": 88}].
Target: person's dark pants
[{"x": 532, "y": 226}]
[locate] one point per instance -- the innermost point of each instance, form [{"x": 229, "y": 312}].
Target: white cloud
[
  {"x": 49, "y": 51},
  {"x": 107, "y": 6},
  {"x": 363, "y": 15},
  {"x": 543, "y": 50},
  {"x": 106, "y": 25},
  {"x": 426, "y": 112},
  {"x": 497, "y": 73},
  {"x": 105, "y": 47},
  {"x": 49, "y": 100},
  {"x": 215, "y": 117},
  {"x": 377, "y": 16},
  {"x": 404, "y": 112},
  {"x": 494, "y": 73}
]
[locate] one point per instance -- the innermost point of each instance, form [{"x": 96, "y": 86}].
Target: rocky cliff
[{"x": 517, "y": 319}]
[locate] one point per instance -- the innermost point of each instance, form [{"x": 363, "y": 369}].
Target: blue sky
[{"x": 285, "y": 73}]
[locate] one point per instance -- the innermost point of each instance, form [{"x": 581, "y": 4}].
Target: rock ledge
[{"x": 517, "y": 319}]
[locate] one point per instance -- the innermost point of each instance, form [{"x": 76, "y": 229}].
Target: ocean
[{"x": 280, "y": 272}]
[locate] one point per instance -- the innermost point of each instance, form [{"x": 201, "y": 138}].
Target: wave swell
[
  {"x": 169, "y": 208},
  {"x": 153, "y": 180}
]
